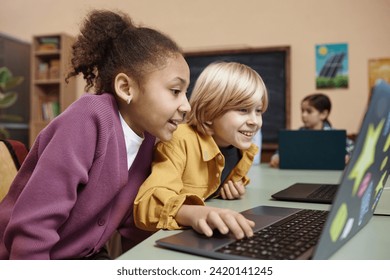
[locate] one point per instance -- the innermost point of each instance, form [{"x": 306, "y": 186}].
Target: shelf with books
[
  {"x": 47, "y": 98},
  {"x": 50, "y": 110},
  {"x": 50, "y": 94},
  {"x": 47, "y": 43},
  {"x": 47, "y": 66}
]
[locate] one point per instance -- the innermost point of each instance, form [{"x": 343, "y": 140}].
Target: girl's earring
[{"x": 128, "y": 100}]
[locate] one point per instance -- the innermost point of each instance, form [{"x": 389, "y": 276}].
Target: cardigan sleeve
[{"x": 160, "y": 196}]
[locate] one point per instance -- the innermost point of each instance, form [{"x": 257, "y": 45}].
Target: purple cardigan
[{"x": 73, "y": 189}]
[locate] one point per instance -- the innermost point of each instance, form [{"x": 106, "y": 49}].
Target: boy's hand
[
  {"x": 232, "y": 190},
  {"x": 205, "y": 219}
]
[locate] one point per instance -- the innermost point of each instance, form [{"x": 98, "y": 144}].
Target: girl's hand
[
  {"x": 205, "y": 219},
  {"x": 232, "y": 190},
  {"x": 274, "y": 161},
  {"x": 347, "y": 157}
]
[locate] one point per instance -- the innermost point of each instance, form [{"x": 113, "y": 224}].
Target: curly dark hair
[{"x": 109, "y": 43}]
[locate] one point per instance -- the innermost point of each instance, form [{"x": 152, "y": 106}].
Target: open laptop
[
  {"x": 308, "y": 192},
  {"x": 360, "y": 188},
  {"x": 325, "y": 193},
  {"x": 312, "y": 149}
]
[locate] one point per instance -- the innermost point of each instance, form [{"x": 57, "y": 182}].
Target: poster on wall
[
  {"x": 378, "y": 69},
  {"x": 331, "y": 66}
]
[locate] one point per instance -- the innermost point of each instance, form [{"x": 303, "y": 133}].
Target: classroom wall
[{"x": 226, "y": 24}]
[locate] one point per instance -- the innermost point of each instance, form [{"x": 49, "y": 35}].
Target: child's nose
[
  {"x": 185, "y": 106},
  {"x": 255, "y": 119}
]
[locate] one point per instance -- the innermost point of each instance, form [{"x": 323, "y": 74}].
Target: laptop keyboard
[
  {"x": 286, "y": 239},
  {"x": 326, "y": 192}
]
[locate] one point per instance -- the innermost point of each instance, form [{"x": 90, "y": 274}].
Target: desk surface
[{"x": 372, "y": 242}]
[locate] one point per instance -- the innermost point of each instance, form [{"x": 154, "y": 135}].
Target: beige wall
[{"x": 219, "y": 24}]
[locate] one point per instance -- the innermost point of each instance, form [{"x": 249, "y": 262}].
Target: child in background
[
  {"x": 209, "y": 156},
  {"x": 77, "y": 185},
  {"x": 315, "y": 110}
]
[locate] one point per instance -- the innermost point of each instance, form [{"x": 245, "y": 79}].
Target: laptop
[
  {"x": 308, "y": 192},
  {"x": 360, "y": 188},
  {"x": 325, "y": 193},
  {"x": 312, "y": 149}
]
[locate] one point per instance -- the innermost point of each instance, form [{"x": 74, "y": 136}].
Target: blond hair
[{"x": 221, "y": 87}]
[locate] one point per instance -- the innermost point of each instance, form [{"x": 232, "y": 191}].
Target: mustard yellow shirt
[{"x": 187, "y": 169}]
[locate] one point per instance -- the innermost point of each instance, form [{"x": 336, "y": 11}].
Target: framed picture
[
  {"x": 331, "y": 66},
  {"x": 378, "y": 69}
]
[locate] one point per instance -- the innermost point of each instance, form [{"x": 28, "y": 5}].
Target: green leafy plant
[
  {"x": 8, "y": 97},
  {"x": 336, "y": 82}
]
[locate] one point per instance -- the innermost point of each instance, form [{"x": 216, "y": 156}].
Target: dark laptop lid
[
  {"x": 364, "y": 178},
  {"x": 312, "y": 149}
]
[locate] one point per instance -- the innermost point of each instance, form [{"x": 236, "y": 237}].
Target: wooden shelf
[
  {"x": 50, "y": 94},
  {"x": 47, "y": 81},
  {"x": 47, "y": 53}
]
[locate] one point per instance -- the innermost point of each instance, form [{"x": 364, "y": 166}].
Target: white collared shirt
[{"x": 133, "y": 142}]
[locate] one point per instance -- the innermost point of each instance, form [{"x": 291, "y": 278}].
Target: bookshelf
[{"x": 50, "y": 94}]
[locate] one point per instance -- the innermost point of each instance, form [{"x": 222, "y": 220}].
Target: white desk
[{"x": 372, "y": 242}]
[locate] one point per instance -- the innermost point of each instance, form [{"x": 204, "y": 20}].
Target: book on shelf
[
  {"x": 50, "y": 110},
  {"x": 48, "y": 43},
  {"x": 54, "y": 69},
  {"x": 43, "y": 71},
  {"x": 48, "y": 70}
]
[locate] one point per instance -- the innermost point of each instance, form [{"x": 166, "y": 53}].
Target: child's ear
[
  {"x": 124, "y": 87},
  {"x": 208, "y": 126},
  {"x": 324, "y": 115}
]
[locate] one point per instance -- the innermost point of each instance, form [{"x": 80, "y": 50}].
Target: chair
[{"x": 12, "y": 155}]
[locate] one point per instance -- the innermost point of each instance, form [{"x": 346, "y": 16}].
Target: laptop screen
[
  {"x": 312, "y": 149},
  {"x": 364, "y": 178}
]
